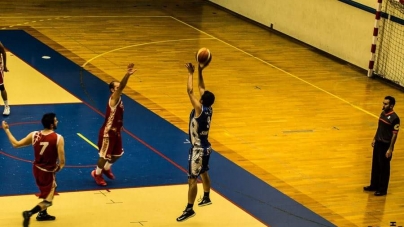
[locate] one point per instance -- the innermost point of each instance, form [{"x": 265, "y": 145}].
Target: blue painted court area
[
  {"x": 81, "y": 156},
  {"x": 155, "y": 150}
]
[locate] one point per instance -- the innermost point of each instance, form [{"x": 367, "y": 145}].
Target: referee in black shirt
[{"x": 383, "y": 146}]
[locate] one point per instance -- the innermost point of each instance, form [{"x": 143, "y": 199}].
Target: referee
[{"x": 383, "y": 147}]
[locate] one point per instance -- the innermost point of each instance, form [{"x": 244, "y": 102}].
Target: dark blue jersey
[
  {"x": 389, "y": 124},
  {"x": 199, "y": 127}
]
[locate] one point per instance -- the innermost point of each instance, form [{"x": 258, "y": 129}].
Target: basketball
[{"x": 203, "y": 56}]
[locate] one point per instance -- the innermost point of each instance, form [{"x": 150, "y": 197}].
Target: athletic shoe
[
  {"x": 205, "y": 201},
  {"x": 187, "y": 214},
  {"x": 6, "y": 111},
  {"x": 44, "y": 216},
  {"x": 108, "y": 173},
  {"x": 26, "y": 215},
  {"x": 98, "y": 178}
]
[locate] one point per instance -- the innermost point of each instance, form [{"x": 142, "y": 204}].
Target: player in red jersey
[
  {"x": 109, "y": 137},
  {"x": 49, "y": 159},
  {"x": 3, "y": 68}
]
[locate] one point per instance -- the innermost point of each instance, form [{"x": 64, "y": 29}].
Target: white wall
[
  {"x": 370, "y": 3},
  {"x": 329, "y": 25}
]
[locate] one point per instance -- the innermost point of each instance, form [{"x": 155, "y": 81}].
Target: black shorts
[{"x": 198, "y": 161}]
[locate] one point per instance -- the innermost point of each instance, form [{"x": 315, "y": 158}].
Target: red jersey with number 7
[{"x": 46, "y": 150}]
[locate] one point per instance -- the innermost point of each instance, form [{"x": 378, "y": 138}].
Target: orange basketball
[{"x": 203, "y": 55}]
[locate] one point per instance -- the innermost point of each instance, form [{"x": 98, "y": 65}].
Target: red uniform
[
  {"x": 109, "y": 137},
  {"x": 45, "y": 164},
  {"x": 1, "y": 70}
]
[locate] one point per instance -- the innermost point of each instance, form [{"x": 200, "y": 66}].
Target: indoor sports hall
[{"x": 291, "y": 129}]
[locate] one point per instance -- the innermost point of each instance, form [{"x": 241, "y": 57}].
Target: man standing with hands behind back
[{"x": 383, "y": 147}]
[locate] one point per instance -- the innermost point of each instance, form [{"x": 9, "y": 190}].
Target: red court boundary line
[
  {"x": 133, "y": 136},
  {"x": 25, "y": 160},
  {"x": 129, "y": 133},
  {"x": 155, "y": 150},
  {"x": 97, "y": 111},
  {"x": 92, "y": 166}
]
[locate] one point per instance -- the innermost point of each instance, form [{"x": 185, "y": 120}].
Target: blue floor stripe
[{"x": 242, "y": 188}]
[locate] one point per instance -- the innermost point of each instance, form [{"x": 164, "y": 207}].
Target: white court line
[
  {"x": 41, "y": 18},
  {"x": 140, "y": 44},
  {"x": 212, "y": 37},
  {"x": 290, "y": 74}
]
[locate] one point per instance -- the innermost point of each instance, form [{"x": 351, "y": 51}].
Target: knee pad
[{"x": 2, "y": 88}]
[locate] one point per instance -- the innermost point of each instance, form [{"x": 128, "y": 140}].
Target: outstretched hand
[
  {"x": 131, "y": 69},
  {"x": 190, "y": 67},
  {"x": 4, "y": 125},
  {"x": 5, "y": 69}
]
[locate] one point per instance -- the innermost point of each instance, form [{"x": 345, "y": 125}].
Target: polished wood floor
[{"x": 297, "y": 119}]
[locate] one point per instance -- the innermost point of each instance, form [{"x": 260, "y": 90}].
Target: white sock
[
  {"x": 107, "y": 166},
  {"x": 98, "y": 171},
  {"x": 5, "y": 103}
]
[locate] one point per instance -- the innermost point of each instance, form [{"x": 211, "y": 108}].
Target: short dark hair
[
  {"x": 111, "y": 85},
  {"x": 208, "y": 98},
  {"x": 48, "y": 119},
  {"x": 392, "y": 100}
]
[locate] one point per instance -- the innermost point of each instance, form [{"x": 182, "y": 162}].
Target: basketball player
[
  {"x": 109, "y": 137},
  {"x": 199, "y": 153},
  {"x": 3, "y": 68},
  {"x": 49, "y": 159}
]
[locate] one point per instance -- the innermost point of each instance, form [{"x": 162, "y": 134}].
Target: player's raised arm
[
  {"x": 201, "y": 83},
  {"x": 118, "y": 91},
  {"x": 204, "y": 57},
  {"x": 190, "y": 90},
  {"x": 16, "y": 143}
]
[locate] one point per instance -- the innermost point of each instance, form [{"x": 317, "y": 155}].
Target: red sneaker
[
  {"x": 98, "y": 179},
  {"x": 108, "y": 173}
]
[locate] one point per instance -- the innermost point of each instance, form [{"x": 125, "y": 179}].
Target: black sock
[
  {"x": 206, "y": 194},
  {"x": 189, "y": 206},
  {"x": 35, "y": 210}
]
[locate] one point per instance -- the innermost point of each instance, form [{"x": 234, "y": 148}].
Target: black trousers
[{"x": 380, "y": 167}]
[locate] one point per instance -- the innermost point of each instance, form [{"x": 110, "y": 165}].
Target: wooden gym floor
[{"x": 299, "y": 120}]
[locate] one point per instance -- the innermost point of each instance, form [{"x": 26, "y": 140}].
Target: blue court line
[{"x": 264, "y": 202}]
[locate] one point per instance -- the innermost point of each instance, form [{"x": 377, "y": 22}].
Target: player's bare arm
[
  {"x": 16, "y": 143},
  {"x": 118, "y": 92},
  {"x": 61, "y": 153},
  {"x": 194, "y": 101},
  {"x": 201, "y": 83},
  {"x": 3, "y": 52},
  {"x": 393, "y": 139}
]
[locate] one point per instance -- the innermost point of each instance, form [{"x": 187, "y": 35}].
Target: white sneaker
[{"x": 6, "y": 111}]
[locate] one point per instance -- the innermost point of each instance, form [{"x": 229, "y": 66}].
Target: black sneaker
[
  {"x": 187, "y": 214},
  {"x": 26, "y": 215},
  {"x": 44, "y": 216},
  {"x": 370, "y": 188},
  {"x": 204, "y": 202}
]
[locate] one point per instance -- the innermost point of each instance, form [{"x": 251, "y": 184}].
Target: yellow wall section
[{"x": 329, "y": 25}]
